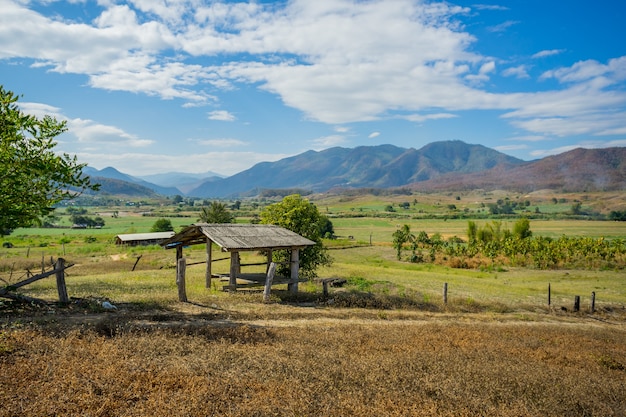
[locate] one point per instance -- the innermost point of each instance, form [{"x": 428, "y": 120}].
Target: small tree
[
  {"x": 162, "y": 225},
  {"x": 521, "y": 228},
  {"x": 400, "y": 237},
  {"x": 33, "y": 177},
  {"x": 216, "y": 212},
  {"x": 302, "y": 217}
]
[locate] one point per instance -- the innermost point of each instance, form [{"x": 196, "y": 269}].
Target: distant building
[{"x": 142, "y": 239}]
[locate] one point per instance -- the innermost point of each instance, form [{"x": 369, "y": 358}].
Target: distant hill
[
  {"x": 113, "y": 174},
  {"x": 182, "y": 181},
  {"x": 365, "y": 166},
  {"x": 123, "y": 188},
  {"x": 576, "y": 170},
  {"x": 438, "y": 166}
]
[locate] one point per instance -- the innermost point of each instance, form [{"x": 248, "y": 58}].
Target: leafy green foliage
[
  {"x": 400, "y": 237},
  {"x": 162, "y": 225},
  {"x": 33, "y": 176},
  {"x": 618, "y": 215},
  {"x": 87, "y": 221},
  {"x": 302, "y": 217},
  {"x": 216, "y": 212}
]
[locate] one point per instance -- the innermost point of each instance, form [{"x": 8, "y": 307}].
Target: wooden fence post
[
  {"x": 445, "y": 293},
  {"x": 268, "y": 282},
  {"x": 593, "y": 302},
  {"x": 549, "y": 295},
  {"x": 180, "y": 280},
  {"x": 577, "y": 303},
  {"x": 136, "y": 262},
  {"x": 60, "y": 274}
]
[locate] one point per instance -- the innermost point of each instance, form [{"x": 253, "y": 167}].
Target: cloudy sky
[{"x": 153, "y": 86}]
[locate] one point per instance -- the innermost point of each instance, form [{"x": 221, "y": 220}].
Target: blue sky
[{"x": 153, "y": 86}]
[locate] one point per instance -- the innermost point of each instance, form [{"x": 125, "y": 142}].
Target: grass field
[{"x": 384, "y": 343}]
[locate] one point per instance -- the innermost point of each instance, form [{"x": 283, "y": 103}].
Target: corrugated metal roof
[
  {"x": 239, "y": 236},
  {"x": 144, "y": 236}
]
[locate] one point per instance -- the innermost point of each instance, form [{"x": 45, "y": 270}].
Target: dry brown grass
[{"x": 202, "y": 361}]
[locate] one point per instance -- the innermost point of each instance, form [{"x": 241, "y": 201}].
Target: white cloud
[
  {"x": 226, "y": 163},
  {"x": 508, "y": 148},
  {"x": 88, "y": 131},
  {"x": 483, "y": 72},
  {"x": 222, "y": 115},
  {"x": 613, "y": 71},
  {"x": 40, "y": 110},
  {"x": 521, "y": 71},
  {"x": 423, "y": 117},
  {"x": 337, "y": 62},
  {"x": 502, "y": 27},
  {"x": 328, "y": 141},
  {"x": 373, "y": 135},
  {"x": 548, "y": 52},
  {"x": 489, "y": 7},
  {"x": 222, "y": 143},
  {"x": 530, "y": 138}
]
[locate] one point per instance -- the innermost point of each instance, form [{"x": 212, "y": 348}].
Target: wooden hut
[{"x": 235, "y": 238}]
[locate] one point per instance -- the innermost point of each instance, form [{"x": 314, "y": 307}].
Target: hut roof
[
  {"x": 132, "y": 237},
  {"x": 239, "y": 237}
]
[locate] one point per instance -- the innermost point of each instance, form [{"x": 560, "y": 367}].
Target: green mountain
[{"x": 365, "y": 166}]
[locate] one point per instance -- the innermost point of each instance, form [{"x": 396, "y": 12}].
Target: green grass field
[{"x": 384, "y": 343}]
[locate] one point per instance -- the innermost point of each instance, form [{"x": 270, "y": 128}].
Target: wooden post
[
  {"x": 445, "y": 293},
  {"x": 62, "y": 290},
  {"x": 268, "y": 282},
  {"x": 43, "y": 265},
  {"x": 181, "y": 267},
  {"x": 209, "y": 261},
  {"x": 549, "y": 295},
  {"x": 270, "y": 259},
  {"x": 295, "y": 267},
  {"x": 593, "y": 302},
  {"x": 234, "y": 268},
  {"x": 577, "y": 303},
  {"x": 179, "y": 256},
  {"x": 136, "y": 262}
]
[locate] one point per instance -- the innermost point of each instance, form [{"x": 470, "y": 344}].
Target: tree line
[{"x": 492, "y": 244}]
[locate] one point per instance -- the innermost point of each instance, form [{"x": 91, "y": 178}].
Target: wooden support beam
[
  {"x": 180, "y": 279},
  {"x": 209, "y": 260},
  {"x": 268, "y": 282},
  {"x": 295, "y": 268},
  {"x": 61, "y": 288},
  {"x": 270, "y": 259},
  {"x": 234, "y": 271}
]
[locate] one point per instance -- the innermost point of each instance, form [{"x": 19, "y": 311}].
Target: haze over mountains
[{"x": 439, "y": 166}]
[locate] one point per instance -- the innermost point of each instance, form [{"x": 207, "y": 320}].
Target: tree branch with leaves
[{"x": 33, "y": 177}]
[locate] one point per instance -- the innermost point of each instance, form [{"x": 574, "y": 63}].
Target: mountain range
[{"x": 438, "y": 166}]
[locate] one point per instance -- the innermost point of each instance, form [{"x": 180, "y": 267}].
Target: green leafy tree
[
  {"x": 400, "y": 237},
  {"x": 521, "y": 228},
  {"x": 302, "y": 217},
  {"x": 33, "y": 177},
  {"x": 216, "y": 212},
  {"x": 162, "y": 225}
]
